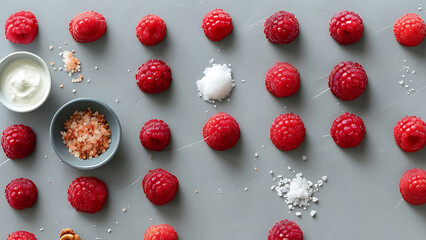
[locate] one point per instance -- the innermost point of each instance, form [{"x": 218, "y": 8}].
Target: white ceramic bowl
[{"x": 48, "y": 81}]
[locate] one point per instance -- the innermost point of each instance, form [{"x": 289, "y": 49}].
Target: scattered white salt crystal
[
  {"x": 404, "y": 60},
  {"x": 41, "y": 229},
  {"x": 109, "y": 230},
  {"x": 228, "y": 100},
  {"x": 314, "y": 199},
  {"x": 403, "y": 75},
  {"x": 401, "y": 82},
  {"x": 271, "y": 172},
  {"x": 216, "y": 84},
  {"x": 211, "y": 61},
  {"x": 313, "y": 212},
  {"x": 289, "y": 168},
  {"x": 324, "y": 178},
  {"x": 96, "y": 67},
  {"x": 413, "y": 72},
  {"x": 298, "y": 214},
  {"x": 50, "y": 47},
  {"x": 304, "y": 158},
  {"x": 124, "y": 210},
  {"x": 116, "y": 100},
  {"x": 60, "y": 47},
  {"x": 273, "y": 187},
  {"x": 215, "y": 106},
  {"x": 256, "y": 154},
  {"x": 88, "y": 80},
  {"x": 243, "y": 81},
  {"x": 74, "y": 91},
  {"x": 128, "y": 70},
  {"x": 245, "y": 189}
]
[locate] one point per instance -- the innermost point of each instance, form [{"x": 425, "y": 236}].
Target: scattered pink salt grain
[{"x": 71, "y": 63}]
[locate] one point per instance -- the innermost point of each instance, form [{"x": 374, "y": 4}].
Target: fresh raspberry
[
  {"x": 87, "y": 194},
  {"x": 409, "y": 30},
  {"x": 155, "y": 135},
  {"x": 154, "y": 76},
  {"x": 21, "y": 27},
  {"x": 348, "y": 80},
  {"x": 221, "y": 131},
  {"x": 410, "y": 133},
  {"x": 21, "y": 193},
  {"x": 217, "y": 24},
  {"x": 160, "y": 186},
  {"x": 282, "y": 80},
  {"x": 287, "y": 131},
  {"x": 151, "y": 30},
  {"x": 413, "y": 186},
  {"x": 347, "y": 130},
  {"x": 285, "y": 230},
  {"x": 87, "y": 27},
  {"x": 281, "y": 28},
  {"x": 346, "y": 27},
  {"x": 160, "y": 232},
  {"x": 21, "y": 235},
  {"x": 18, "y": 141}
]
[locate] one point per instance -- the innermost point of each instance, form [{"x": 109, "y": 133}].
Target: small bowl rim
[
  {"x": 46, "y": 95},
  {"x": 54, "y": 145}
]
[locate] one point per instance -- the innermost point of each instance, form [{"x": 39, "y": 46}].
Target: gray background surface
[{"x": 361, "y": 199}]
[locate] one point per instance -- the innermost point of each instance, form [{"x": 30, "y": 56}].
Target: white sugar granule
[{"x": 216, "y": 84}]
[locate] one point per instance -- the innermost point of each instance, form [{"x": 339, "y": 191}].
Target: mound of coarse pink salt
[{"x": 216, "y": 84}]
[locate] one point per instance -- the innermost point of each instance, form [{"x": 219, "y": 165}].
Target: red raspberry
[
  {"x": 87, "y": 194},
  {"x": 285, "y": 230},
  {"x": 281, "y": 28},
  {"x": 413, "y": 186},
  {"x": 21, "y": 27},
  {"x": 87, "y": 27},
  {"x": 282, "y": 80},
  {"x": 348, "y": 80},
  {"x": 151, "y": 30},
  {"x": 409, "y": 30},
  {"x": 347, "y": 130},
  {"x": 287, "y": 131},
  {"x": 154, "y": 76},
  {"x": 21, "y": 193},
  {"x": 18, "y": 141},
  {"x": 160, "y": 232},
  {"x": 221, "y": 131},
  {"x": 410, "y": 133},
  {"x": 155, "y": 135},
  {"x": 346, "y": 27},
  {"x": 217, "y": 24},
  {"x": 21, "y": 235},
  {"x": 160, "y": 186}
]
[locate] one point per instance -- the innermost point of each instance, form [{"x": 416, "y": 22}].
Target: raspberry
[
  {"x": 285, "y": 230},
  {"x": 347, "y": 130},
  {"x": 151, "y": 30},
  {"x": 154, "y": 76},
  {"x": 221, "y": 131},
  {"x": 217, "y": 24},
  {"x": 160, "y": 232},
  {"x": 348, "y": 80},
  {"x": 410, "y": 133},
  {"x": 18, "y": 141},
  {"x": 282, "y": 80},
  {"x": 155, "y": 135},
  {"x": 21, "y": 193},
  {"x": 21, "y": 27},
  {"x": 160, "y": 186},
  {"x": 346, "y": 27},
  {"x": 87, "y": 194},
  {"x": 409, "y": 30},
  {"x": 281, "y": 28},
  {"x": 87, "y": 27},
  {"x": 287, "y": 131},
  {"x": 413, "y": 186},
  {"x": 21, "y": 235}
]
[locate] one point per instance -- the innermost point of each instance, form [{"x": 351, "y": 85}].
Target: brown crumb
[{"x": 150, "y": 156}]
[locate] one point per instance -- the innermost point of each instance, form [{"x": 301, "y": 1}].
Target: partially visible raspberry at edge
[
  {"x": 287, "y": 131},
  {"x": 154, "y": 76},
  {"x": 160, "y": 186},
  {"x": 21, "y": 193},
  {"x": 21, "y": 27},
  {"x": 155, "y": 135},
  {"x": 151, "y": 30},
  {"x": 282, "y": 80},
  {"x": 87, "y": 27},
  {"x": 160, "y": 232},
  {"x": 217, "y": 24},
  {"x": 346, "y": 27},
  {"x": 285, "y": 230},
  {"x": 347, "y": 130},
  {"x": 412, "y": 186},
  {"x": 410, "y": 133},
  {"x": 281, "y": 27},
  {"x": 21, "y": 235},
  {"x": 347, "y": 80},
  {"x": 18, "y": 141},
  {"x": 87, "y": 194},
  {"x": 409, "y": 30},
  {"x": 221, "y": 131}
]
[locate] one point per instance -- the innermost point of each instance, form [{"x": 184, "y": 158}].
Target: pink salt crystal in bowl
[{"x": 57, "y": 126}]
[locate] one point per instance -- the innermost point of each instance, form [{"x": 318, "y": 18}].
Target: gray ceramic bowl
[{"x": 57, "y": 125}]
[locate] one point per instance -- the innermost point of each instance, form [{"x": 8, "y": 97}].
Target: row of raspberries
[{"x": 282, "y": 27}]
